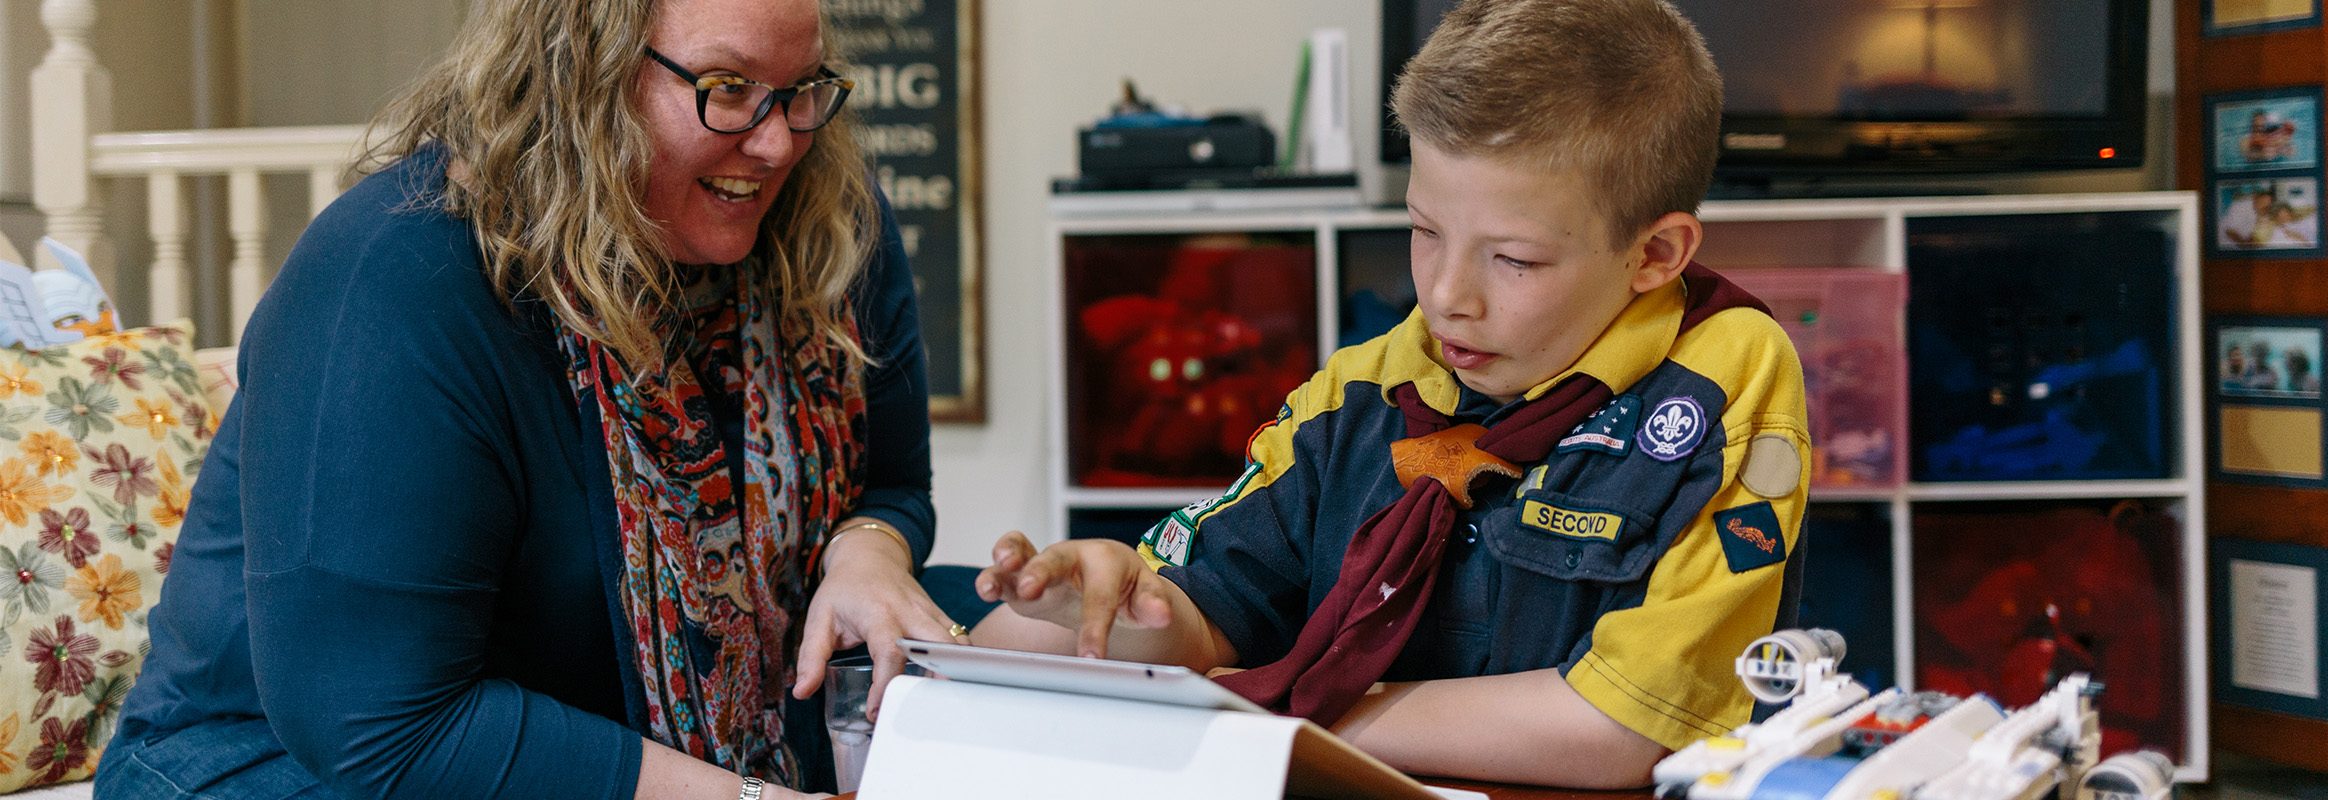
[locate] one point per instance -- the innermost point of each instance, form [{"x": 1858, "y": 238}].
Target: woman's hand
[{"x": 869, "y": 597}]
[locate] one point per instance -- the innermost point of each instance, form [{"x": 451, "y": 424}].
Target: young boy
[{"x": 1571, "y": 615}]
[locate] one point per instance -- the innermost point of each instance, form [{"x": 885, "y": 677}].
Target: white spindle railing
[
  {"x": 71, "y": 150},
  {"x": 171, "y": 287},
  {"x": 72, "y": 98},
  {"x": 243, "y": 155}
]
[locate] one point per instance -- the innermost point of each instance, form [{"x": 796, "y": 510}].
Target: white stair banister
[
  {"x": 72, "y": 99},
  {"x": 171, "y": 283},
  {"x": 246, "y": 221},
  {"x": 323, "y": 186}
]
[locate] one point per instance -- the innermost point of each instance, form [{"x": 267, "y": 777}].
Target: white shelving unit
[{"x": 1858, "y": 233}]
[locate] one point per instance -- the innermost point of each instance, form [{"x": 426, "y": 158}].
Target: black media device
[
  {"x": 1816, "y": 88},
  {"x": 1226, "y": 143}
]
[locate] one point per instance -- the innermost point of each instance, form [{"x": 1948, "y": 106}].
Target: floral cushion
[{"x": 99, "y": 443}]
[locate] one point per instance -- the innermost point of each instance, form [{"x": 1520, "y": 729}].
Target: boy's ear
[{"x": 1664, "y": 248}]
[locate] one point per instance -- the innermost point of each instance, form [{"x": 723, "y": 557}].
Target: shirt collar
[{"x": 1633, "y": 344}]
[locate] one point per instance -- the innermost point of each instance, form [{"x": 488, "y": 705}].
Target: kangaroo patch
[{"x": 1750, "y": 536}]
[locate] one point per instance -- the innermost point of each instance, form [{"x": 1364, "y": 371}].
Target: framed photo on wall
[
  {"x": 2266, "y": 399},
  {"x": 2272, "y": 129},
  {"x": 2263, "y": 170},
  {"x": 2266, "y": 217},
  {"x": 916, "y": 69},
  {"x": 2238, "y": 17}
]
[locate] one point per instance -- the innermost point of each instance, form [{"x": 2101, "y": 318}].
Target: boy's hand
[{"x": 1088, "y": 585}]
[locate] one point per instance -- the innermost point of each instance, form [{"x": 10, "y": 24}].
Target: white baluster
[
  {"x": 248, "y": 225},
  {"x": 72, "y": 98},
  {"x": 323, "y": 186},
  {"x": 170, "y": 285}
]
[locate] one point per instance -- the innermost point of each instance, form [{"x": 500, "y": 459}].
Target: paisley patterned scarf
[{"x": 715, "y": 579}]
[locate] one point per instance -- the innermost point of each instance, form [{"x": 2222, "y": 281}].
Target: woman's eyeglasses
[{"x": 734, "y": 104}]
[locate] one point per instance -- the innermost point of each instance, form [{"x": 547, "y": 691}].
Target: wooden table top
[{"x": 1499, "y": 791}]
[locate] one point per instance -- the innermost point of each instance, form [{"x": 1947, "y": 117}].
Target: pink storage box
[{"x": 1846, "y": 324}]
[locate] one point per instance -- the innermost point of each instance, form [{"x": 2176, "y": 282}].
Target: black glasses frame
[{"x": 704, "y": 86}]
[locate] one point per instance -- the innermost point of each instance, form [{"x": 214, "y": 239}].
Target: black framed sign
[
  {"x": 915, "y": 63},
  {"x": 2265, "y": 607}
]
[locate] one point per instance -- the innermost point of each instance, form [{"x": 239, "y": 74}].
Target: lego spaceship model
[{"x": 1832, "y": 738}]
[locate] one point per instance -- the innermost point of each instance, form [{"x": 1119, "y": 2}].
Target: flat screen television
[{"x": 1880, "y": 87}]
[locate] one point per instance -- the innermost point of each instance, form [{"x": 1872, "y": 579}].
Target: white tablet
[{"x": 1154, "y": 683}]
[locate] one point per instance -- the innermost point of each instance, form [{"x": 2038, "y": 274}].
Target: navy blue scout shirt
[
  {"x": 421, "y": 516},
  {"x": 1639, "y": 558}
]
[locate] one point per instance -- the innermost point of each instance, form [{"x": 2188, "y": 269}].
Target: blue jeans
[
  {"x": 220, "y": 759},
  {"x": 239, "y": 759}
]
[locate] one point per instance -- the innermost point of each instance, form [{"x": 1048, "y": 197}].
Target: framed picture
[
  {"x": 2266, "y": 360},
  {"x": 2274, "y": 129},
  {"x": 916, "y": 69},
  {"x": 2266, "y": 613},
  {"x": 2266, "y": 402},
  {"x": 2268, "y": 217},
  {"x": 2237, "y": 17}
]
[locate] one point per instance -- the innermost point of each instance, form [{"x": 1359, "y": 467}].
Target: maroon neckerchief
[{"x": 1392, "y": 564}]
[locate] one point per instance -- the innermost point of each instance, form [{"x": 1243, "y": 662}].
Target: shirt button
[
  {"x": 1473, "y": 536},
  {"x": 1569, "y": 561}
]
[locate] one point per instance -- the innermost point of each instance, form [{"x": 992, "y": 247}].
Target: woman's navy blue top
[{"x": 402, "y": 548}]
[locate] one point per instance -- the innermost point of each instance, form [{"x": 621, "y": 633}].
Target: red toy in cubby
[
  {"x": 1186, "y": 371},
  {"x": 2009, "y": 603}
]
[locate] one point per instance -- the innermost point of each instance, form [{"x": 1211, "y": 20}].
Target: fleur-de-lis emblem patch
[{"x": 1673, "y": 429}]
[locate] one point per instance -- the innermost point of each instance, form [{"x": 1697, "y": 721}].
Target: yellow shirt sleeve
[{"x": 1664, "y": 668}]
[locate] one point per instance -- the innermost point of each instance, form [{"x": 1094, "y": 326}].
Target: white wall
[
  {"x": 356, "y": 55},
  {"x": 1050, "y": 66},
  {"x": 21, "y": 43}
]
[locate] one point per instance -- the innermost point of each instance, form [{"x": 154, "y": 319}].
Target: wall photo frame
[
  {"x": 2266, "y": 217},
  {"x": 2270, "y": 424},
  {"x": 2242, "y": 17},
  {"x": 916, "y": 69},
  {"x": 2272, "y": 129},
  {"x": 2263, "y": 171}
]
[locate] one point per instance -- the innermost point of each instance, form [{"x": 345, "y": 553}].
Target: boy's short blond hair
[{"x": 1620, "y": 93}]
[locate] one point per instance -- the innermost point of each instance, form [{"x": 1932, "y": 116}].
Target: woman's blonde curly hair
[{"x": 535, "y": 107}]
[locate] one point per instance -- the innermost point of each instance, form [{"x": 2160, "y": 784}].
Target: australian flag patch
[{"x": 1609, "y": 430}]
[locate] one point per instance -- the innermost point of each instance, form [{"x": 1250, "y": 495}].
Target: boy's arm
[
  {"x": 1211, "y": 584},
  {"x": 1522, "y": 727},
  {"x": 1095, "y": 598}
]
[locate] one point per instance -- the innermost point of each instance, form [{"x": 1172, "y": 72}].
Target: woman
[{"x": 571, "y": 442}]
